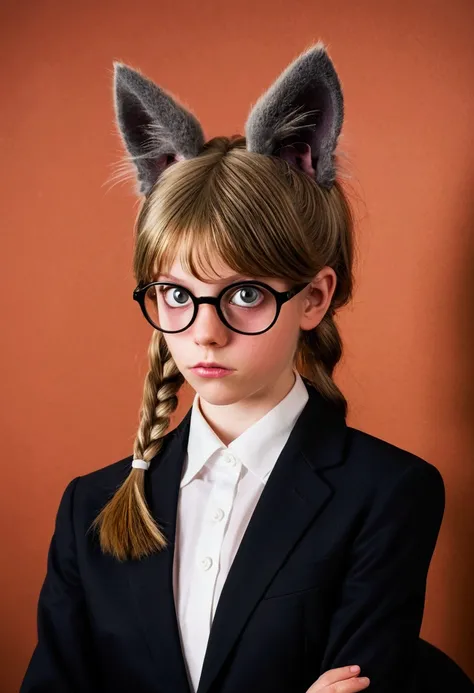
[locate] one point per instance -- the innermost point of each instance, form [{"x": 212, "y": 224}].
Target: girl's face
[{"x": 260, "y": 363}]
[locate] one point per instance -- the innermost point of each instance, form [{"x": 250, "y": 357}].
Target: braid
[
  {"x": 319, "y": 351},
  {"x": 160, "y": 398},
  {"x": 126, "y": 526}
]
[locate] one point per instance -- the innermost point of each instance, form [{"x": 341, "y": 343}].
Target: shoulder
[
  {"x": 398, "y": 492},
  {"x": 385, "y": 464},
  {"x": 89, "y": 492},
  {"x": 107, "y": 477}
]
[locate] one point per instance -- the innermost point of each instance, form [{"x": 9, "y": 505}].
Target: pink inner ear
[
  {"x": 166, "y": 160},
  {"x": 299, "y": 156}
]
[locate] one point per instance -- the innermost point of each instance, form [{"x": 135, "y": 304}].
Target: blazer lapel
[
  {"x": 151, "y": 579},
  {"x": 293, "y": 496}
]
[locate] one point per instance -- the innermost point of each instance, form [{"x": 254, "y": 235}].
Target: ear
[
  {"x": 156, "y": 130},
  {"x": 300, "y": 117}
]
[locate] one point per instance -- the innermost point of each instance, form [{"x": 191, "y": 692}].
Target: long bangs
[{"x": 237, "y": 209}]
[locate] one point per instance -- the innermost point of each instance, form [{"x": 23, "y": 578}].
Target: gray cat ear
[
  {"x": 156, "y": 130},
  {"x": 300, "y": 116}
]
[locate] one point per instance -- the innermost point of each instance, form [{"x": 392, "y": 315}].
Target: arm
[
  {"x": 378, "y": 618},
  {"x": 62, "y": 661}
]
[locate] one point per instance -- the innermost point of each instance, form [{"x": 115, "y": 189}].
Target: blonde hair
[{"x": 263, "y": 218}]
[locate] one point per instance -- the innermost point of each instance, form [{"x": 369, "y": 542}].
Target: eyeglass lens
[{"x": 247, "y": 308}]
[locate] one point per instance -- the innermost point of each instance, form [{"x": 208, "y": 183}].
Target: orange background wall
[{"x": 73, "y": 347}]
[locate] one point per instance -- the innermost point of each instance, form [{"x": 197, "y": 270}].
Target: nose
[{"x": 208, "y": 327}]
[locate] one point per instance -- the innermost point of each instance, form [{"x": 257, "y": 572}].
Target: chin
[{"x": 216, "y": 392}]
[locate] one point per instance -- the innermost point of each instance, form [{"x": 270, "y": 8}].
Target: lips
[
  {"x": 211, "y": 364},
  {"x": 212, "y": 372}
]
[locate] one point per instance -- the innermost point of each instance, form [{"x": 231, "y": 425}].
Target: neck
[{"x": 231, "y": 420}]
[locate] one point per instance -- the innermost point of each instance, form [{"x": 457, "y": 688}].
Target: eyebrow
[{"x": 227, "y": 280}]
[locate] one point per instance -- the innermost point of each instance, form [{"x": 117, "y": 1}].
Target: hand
[{"x": 341, "y": 680}]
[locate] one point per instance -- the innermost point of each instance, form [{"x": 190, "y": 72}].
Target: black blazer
[{"x": 331, "y": 571}]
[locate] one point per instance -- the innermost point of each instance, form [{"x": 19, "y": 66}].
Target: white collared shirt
[{"x": 219, "y": 490}]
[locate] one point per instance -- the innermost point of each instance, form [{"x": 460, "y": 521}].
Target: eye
[
  {"x": 249, "y": 295},
  {"x": 174, "y": 293}
]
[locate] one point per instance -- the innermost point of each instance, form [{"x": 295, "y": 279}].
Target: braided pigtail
[
  {"x": 319, "y": 351},
  {"x": 126, "y": 526}
]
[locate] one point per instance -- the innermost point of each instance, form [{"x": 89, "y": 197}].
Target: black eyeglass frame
[{"x": 281, "y": 297}]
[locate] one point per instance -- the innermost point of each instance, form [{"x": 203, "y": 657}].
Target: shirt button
[
  {"x": 230, "y": 459},
  {"x": 218, "y": 514},
  {"x": 206, "y": 562}
]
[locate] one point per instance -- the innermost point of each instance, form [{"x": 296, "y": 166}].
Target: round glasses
[{"x": 247, "y": 307}]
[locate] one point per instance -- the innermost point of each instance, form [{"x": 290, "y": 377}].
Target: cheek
[
  {"x": 278, "y": 343},
  {"x": 177, "y": 348},
  {"x": 286, "y": 329}
]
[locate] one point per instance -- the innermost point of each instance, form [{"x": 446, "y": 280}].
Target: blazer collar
[{"x": 293, "y": 496}]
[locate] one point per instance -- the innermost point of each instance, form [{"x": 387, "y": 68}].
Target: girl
[{"x": 263, "y": 541}]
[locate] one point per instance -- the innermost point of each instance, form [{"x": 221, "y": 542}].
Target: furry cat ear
[
  {"x": 300, "y": 116},
  {"x": 156, "y": 130}
]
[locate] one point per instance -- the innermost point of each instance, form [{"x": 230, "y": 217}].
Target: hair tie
[{"x": 141, "y": 464}]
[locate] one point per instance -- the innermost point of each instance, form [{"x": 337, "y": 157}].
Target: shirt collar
[{"x": 258, "y": 447}]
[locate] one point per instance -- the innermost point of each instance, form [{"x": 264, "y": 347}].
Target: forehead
[
  {"x": 210, "y": 271},
  {"x": 213, "y": 273},
  {"x": 200, "y": 266}
]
